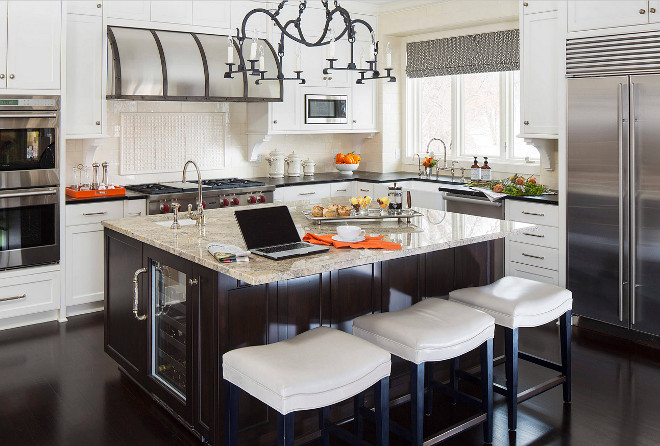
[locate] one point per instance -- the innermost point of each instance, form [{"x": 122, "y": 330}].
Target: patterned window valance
[{"x": 478, "y": 53}]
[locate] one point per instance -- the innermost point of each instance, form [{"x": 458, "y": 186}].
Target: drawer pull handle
[
  {"x": 135, "y": 214},
  {"x": 533, "y": 213},
  {"x": 365, "y": 190},
  {"x": 307, "y": 193},
  {"x": 534, "y": 235},
  {"x": 6, "y": 299},
  {"x": 342, "y": 190},
  {"x": 89, "y": 214},
  {"x": 534, "y": 257}
]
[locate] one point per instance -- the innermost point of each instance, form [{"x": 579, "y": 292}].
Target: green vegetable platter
[{"x": 516, "y": 185}]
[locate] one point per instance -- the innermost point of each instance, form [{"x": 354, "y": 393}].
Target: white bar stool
[
  {"x": 313, "y": 370},
  {"x": 516, "y": 302},
  {"x": 430, "y": 331}
]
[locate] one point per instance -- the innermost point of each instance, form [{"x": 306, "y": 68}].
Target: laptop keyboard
[{"x": 287, "y": 247}]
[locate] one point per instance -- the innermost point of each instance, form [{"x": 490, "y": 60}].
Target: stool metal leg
[
  {"x": 487, "y": 388},
  {"x": 428, "y": 396},
  {"x": 417, "y": 403},
  {"x": 324, "y": 412},
  {"x": 231, "y": 414},
  {"x": 285, "y": 429},
  {"x": 565, "y": 333},
  {"x": 382, "y": 402},
  {"x": 358, "y": 423},
  {"x": 511, "y": 353},
  {"x": 453, "y": 379}
]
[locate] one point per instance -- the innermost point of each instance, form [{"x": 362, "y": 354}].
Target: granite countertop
[
  {"x": 130, "y": 195},
  {"x": 436, "y": 230},
  {"x": 445, "y": 184}
]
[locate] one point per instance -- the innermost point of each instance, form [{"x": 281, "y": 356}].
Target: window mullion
[
  {"x": 504, "y": 117},
  {"x": 457, "y": 109}
]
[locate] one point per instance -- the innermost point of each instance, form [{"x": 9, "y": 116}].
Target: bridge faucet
[
  {"x": 444, "y": 161},
  {"x": 197, "y": 215}
]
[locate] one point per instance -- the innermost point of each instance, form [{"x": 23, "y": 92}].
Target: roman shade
[{"x": 477, "y": 53}]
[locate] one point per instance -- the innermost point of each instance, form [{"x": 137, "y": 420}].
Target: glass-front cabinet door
[
  {"x": 169, "y": 353},
  {"x": 170, "y": 331}
]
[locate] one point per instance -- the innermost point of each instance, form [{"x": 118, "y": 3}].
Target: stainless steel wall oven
[{"x": 29, "y": 181}]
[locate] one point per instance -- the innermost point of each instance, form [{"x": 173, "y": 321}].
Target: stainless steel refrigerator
[{"x": 613, "y": 208}]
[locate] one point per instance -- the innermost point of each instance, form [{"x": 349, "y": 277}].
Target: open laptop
[{"x": 271, "y": 233}]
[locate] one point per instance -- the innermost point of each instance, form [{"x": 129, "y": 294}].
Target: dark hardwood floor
[{"x": 58, "y": 387}]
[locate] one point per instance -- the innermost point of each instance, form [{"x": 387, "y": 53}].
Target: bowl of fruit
[{"x": 346, "y": 164}]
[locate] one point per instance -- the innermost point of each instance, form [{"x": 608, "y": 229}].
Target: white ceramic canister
[
  {"x": 308, "y": 167},
  {"x": 294, "y": 164},
  {"x": 275, "y": 164}
]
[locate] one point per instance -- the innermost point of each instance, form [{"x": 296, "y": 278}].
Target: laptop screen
[{"x": 268, "y": 226}]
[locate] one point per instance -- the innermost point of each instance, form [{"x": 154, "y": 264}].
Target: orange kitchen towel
[{"x": 368, "y": 243}]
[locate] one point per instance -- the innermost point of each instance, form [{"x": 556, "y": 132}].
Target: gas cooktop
[
  {"x": 230, "y": 183},
  {"x": 154, "y": 189},
  {"x": 191, "y": 186}
]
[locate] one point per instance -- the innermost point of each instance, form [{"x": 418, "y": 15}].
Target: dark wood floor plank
[{"x": 58, "y": 387}]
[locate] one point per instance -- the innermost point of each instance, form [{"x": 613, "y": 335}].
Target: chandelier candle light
[{"x": 368, "y": 69}]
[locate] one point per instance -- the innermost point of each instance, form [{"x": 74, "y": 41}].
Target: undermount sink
[{"x": 182, "y": 222}]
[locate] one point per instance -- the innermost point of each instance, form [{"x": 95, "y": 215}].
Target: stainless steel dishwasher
[
  {"x": 471, "y": 205},
  {"x": 482, "y": 207}
]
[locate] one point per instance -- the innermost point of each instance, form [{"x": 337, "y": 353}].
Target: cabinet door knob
[
  {"x": 2, "y": 76},
  {"x": 526, "y": 122},
  {"x": 11, "y": 76},
  {"x": 98, "y": 5},
  {"x": 525, "y": 4},
  {"x": 192, "y": 281},
  {"x": 354, "y": 121},
  {"x": 642, "y": 11},
  {"x": 98, "y": 122},
  {"x": 652, "y": 10},
  {"x": 275, "y": 121}
]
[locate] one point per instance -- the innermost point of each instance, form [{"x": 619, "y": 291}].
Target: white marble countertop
[{"x": 435, "y": 231}]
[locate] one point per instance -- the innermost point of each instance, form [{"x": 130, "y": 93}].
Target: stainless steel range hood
[{"x": 156, "y": 65}]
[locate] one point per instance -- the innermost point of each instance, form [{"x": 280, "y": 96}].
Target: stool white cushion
[
  {"x": 315, "y": 369},
  {"x": 431, "y": 330},
  {"x": 516, "y": 302}
]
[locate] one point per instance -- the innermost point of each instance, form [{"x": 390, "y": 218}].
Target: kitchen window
[{"x": 479, "y": 114}]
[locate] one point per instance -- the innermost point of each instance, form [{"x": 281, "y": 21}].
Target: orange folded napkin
[{"x": 368, "y": 243}]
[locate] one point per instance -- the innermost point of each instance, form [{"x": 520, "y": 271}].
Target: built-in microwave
[{"x": 326, "y": 109}]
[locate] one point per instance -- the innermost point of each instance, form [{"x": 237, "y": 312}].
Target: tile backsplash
[{"x": 233, "y": 163}]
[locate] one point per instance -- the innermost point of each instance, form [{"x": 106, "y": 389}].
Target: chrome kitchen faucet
[{"x": 197, "y": 215}]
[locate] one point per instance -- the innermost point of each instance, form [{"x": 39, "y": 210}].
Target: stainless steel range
[{"x": 218, "y": 193}]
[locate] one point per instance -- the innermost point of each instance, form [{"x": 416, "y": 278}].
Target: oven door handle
[
  {"x": 28, "y": 115},
  {"x": 11, "y": 194}
]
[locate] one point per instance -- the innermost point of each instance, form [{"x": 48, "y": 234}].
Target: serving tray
[{"x": 372, "y": 214}]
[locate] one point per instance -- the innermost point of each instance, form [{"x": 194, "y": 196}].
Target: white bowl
[{"x": 346, "y": 169}]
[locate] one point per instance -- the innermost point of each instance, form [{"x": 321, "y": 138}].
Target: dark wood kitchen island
[{"x": 191, "y": 309}]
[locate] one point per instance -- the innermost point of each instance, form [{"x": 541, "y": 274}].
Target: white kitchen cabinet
[
  {"x": 310, "y": 192},
  {"x": 131, "y": 10},
  {"x": 84, "y": 246},
  {"x": 215, "y": 13},
  {"x": 595, "y": 14},
  {"x": 172, "y": 11},
  {"x": 85, "y": 7},
  {"x": 85, "y": 104},
  {"x": 363, "y": 188},
  {"x": 287, "y": 115},
  {"x": 535, "y": 6},
  {"x": 33, "y": 45},
  {"x": 29, "y": 290},
  {"x": 654, "y": 11},
  {"x": 533, "y": 254},
  {"x": 539, "y": 75},
  {"x": 343, "y": 189},
  {"x": 363, "y": 105}
]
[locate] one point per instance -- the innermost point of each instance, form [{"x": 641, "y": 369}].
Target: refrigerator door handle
[
  {"x": 621, "y": 120},
  {"x": 633, "y": 205}
]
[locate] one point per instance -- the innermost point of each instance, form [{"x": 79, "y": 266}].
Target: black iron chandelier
[{"x": 328, "y": 37}]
